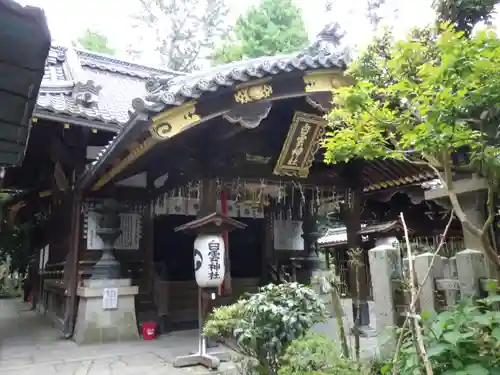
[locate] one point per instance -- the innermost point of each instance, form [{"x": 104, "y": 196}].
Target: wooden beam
[{"x": 59, "y": 153}]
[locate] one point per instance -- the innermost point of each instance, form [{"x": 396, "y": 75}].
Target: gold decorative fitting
[
  {"x": 301, "y": 145},
  {"x": 164, "y": 126},
  {"x": 325, "y": 81},
  {"x": 66, "y": 126},
  {"x": 174, "y": 121},
  {"x": 94, "y": 131},
  {"x": 34, "y": 120},
  {"x": 133, "y": 155},
  {"x": 253, "y": 93}
]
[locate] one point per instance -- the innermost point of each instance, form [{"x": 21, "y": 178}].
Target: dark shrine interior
[
  {"x": 48, "y": 141},
  {"x": 174, "y": 250},
  {"x": 218, "y": 148}
]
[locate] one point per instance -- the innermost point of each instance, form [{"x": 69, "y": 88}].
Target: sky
[{"x": 69, "y": 18}]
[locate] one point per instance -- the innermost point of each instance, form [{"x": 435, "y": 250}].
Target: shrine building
[{"x": 121, "y": 154}]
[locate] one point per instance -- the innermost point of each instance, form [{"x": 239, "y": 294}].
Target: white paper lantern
[{"x": 209, "y": 266}]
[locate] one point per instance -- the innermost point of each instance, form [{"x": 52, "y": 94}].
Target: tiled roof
[
  {"x": 335, "y": 236},
  {"x": 338, "y": 236},
  {"x": 165, "y": 92},
  {"x": 120, "y": 83},
  {"x": 125, "y": 85},
  {"x": 168, "y": 90}
]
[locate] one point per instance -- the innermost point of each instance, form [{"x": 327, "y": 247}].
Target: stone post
[
  {"x": 471, "y": 193},
  {"x": 422, "y": 265},
  {"x": 385, "y": 267},
  {"x": 470, "y": 268},
  {"x": 450, "y": 272}
]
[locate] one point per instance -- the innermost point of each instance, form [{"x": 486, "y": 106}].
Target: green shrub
[
  {"x": 316, "y": 354},
  {"x": 464, "y": 340},
  {"x": 263, "y": 325}
]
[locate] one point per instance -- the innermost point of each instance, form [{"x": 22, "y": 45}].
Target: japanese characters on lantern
[{"x": 209, "y": 263}]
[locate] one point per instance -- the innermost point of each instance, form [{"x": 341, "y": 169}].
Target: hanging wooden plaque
[{"x": 301, "y": 144}]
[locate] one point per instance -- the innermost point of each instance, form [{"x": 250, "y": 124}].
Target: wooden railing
[{"x": 53, "y": 298}]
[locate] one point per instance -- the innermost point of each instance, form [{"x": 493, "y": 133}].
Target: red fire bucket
[{"x": 148, "y": 330}]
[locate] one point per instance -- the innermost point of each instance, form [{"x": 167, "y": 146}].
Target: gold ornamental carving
[
  {"x": 325, "y": 81},
  {"x": 253, "y": 93},
  {"x": 133, "y": 154},
  {"x": 164, "y": 126},
  {"x": 301, "y": 145},
  {"x": 174, "y": 121}
]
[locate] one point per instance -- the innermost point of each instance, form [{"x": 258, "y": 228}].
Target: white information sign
[{"x": 110, "y": 299}]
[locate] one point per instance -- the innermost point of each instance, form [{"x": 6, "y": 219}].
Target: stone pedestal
[
  {"x": 96, "y": 325},
  {"x": 307, "y": 266}
]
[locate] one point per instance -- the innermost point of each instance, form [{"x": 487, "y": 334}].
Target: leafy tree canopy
[
  {"x": 464, "y": 14},
  {"x": 430, "y": 99},
  {"x": 183, "y": 31},
  {"x": 272, "y": 27},
  {"x": 93, "y": 40}
]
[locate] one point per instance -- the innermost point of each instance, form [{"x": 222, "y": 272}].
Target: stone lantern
[
  {"x": 108, "y": 229},
  {"x": 106, "y": 310},
  {"x": 310, "y": 263}
]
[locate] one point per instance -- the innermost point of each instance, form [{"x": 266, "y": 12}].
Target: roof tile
[
  {"x": 121, "y": 82},
  {"x": 165, "y": 92}
]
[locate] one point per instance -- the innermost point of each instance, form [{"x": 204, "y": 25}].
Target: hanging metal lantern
[{"x": 209, "y": 266}]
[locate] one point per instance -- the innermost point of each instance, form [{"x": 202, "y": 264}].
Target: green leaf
[
  {"x": 438, "y": 350},
  {"x": 457, "y": 365},
  {"x": 476, "y": 369},
  {"x": 452, "y": 337},
  {"x": 426, "y": 315},
  {"x": 438, "y": 328},
  {"x": 492, "y": 299},
  {"x": 496, "y": 334},
  {"x": 482, "y": 320},
  {"x": 386, "y": 369},
  {"x": 491, "y": 286}
]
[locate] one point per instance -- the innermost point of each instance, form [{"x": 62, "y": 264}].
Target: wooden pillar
[
  {"x": 226, "y": 288},
  {"x": 147, "y": 240},
  {"x": 147, "y": 246},
  {"x": 352, "y": 210},
  {"x": 77, "y": 140},
  {"x": 71, "y": 266},
  {"x": 268, "y": 256}
]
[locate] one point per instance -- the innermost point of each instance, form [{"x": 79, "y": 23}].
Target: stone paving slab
[{"x": 30, "y": 346}]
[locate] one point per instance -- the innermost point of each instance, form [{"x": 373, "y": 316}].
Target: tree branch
[
  {"x": 414, "y": 298},
  {"x": 413, "y": 303}
]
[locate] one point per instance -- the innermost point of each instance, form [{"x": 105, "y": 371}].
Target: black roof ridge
[
  {"x": 119, "y": 62},
  {"x": 124, "y": 62}
]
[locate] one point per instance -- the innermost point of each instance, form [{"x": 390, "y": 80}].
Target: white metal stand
[{"x": 201, "y": 357}]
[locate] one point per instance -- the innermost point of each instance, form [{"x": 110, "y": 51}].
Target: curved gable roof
[
  {"x": 121, "y": 81},
  {"x": 165, "y": 92}
]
